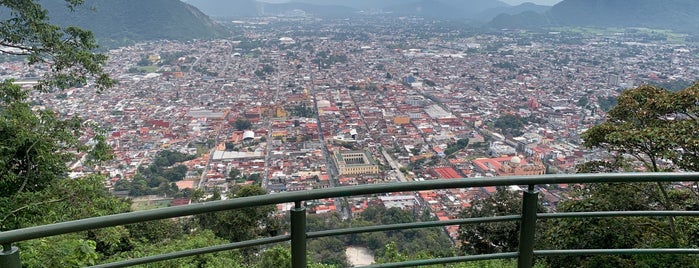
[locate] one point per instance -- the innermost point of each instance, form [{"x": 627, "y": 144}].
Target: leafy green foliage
[
  {"x": 64, "y": 200},
  {"x": 455, "y": 147},
  {"x": 204, "y": 238},
  {"x": 325, "y": 59},
  {"x": 277, "y": 256},
  {"x": 33, "y": 146},
  {"x": 159, "y": 177},
  {"x": 60, "y": 200},
  {"x": 652, "y": 124},
  {"x": 242, "y": 124},
  {"x": 620, "y": 232},
  {"x": 242, "y": 224},
  {"x": 606, "y": 103},
  {"x": 394, "y": 255},
  {"x": 123, "y": 22},
  {"x": 67, "y": 50},
  {"x": 492, "y": 237},
  {"x": 73, "y": 252},
  {"x": 433, "y": 241},
  {"x": 303, "y": 110},
  {"x": 510, "y": 124}
]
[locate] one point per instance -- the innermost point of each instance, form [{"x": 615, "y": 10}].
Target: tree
[
  {"x": 30, "y": 140},
  {"x": 242, "y": 124},
  {"x": 35, "y": 144},
  {"x": 68, "y": 51},
  {"x": 631, "y": 232},
  {"x": 328, "y": 250},
  {"x": 199, "y": 239},
  {"x": 394, "y": 255},
  {"x": 242, "y": 224},
  {"x": 233, "y": 174},
  {"x": 65, "y": 200},
  {"x": 652, "y": 124},
  {"x": 658, "y": 129},
  {"x": 510, "y": 124},
  {"x": 492, "y": 237}
]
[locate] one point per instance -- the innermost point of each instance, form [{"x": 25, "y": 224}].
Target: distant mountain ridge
[
  {"x": 490, "y": 14},
  {"x": 136, "y": 20},
  {"x": 678, "y": 15},
  {"x": 444, "y": 9},
  {"x": 227, "y": 8}
]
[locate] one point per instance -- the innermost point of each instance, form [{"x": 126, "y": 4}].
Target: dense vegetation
[
  {"x": 649, "y": 129},
  {"x": 119, "y": 22},
  {"x": 331, "y": 250},
  {"x": 510, "y": 124},
  {"x": 159, "y": 177},
  {"x": 669, "y": 14}
]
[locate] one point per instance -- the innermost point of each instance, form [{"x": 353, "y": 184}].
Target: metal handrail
[{"x": 299, "y": 235}]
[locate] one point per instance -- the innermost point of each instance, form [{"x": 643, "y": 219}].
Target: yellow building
[
  {"x": 355, "y": 162},
  {"x": 281, "y": 112}
]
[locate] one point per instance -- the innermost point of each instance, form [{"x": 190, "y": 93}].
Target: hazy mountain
[
  {"x": 524, "y": 20},
  {"x": 317, "y": 10},
  {"x": 252, "y": 8},
  {"x": 676, "y": 14},
  {"x": 136, "y": 20},
  {"x": 227, "y": 8},
  {"x": 669, "y": 14},
  {"x": 354, "y": 4},
  {"x": 490, "y": 14},
  {"x": 449, "y": 9}
]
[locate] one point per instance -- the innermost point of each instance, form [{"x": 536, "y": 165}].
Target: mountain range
[
  {"x": 122, "y": 21},
  {"x": 677, "y": 15},
  {"x": 443, "y": 9}
]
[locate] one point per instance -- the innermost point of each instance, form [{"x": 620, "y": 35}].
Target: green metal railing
[{"x": 10, "y": 258}]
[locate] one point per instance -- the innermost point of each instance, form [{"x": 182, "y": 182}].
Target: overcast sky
[
  {"x": 511, "y": 2},
  {"x": 540, "y": 2}
]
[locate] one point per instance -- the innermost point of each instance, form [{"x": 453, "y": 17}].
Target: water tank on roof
[
  {"x": 353, "y": 132},
  {"x": 248, "y": 135}
]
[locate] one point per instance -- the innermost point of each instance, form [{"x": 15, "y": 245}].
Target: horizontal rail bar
[
  {"x": 197, "y": 251},
  {"x": 192, "y": 209},
  {"x": 617, "y": 214},
  {"x": 481, "y": 257},
  {"x": 411, "y": 225},
  {"x": 629, "y": 251},
  {"x": 510, "y": 255}
]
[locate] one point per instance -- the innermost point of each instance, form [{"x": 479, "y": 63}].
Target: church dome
[{"x": 516, "y": 160}]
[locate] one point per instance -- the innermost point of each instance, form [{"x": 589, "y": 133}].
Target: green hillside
[
  {"x": 136, "y": 20},
  {"x": 678, "y": 15}
]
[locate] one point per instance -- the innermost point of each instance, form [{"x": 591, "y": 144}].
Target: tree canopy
[
  {"x": 654, "y": 126},
  {"x": 510, "y": 124},
  {"x": 651, "y": 129}
]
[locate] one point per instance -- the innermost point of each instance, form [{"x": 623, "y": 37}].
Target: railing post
[
  {"x": 9, "y": 257},
  {"x": 298, "y": 236},
  {"x": 527, "y": 228}
]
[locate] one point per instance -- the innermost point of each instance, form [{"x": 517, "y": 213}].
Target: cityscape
[
  {"x": 310, "y": 96},
  {"x": 295, "y": 103}
]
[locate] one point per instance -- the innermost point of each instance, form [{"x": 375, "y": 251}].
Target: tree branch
[
  {"x": 26, "y": 178},
  {"x": 28, "y": 205}
]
